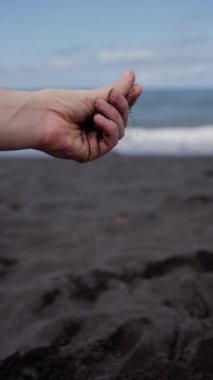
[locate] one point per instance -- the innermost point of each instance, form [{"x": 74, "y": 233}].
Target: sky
[{"x": 67, "y": 43}]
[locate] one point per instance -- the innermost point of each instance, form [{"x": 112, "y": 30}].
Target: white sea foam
[
  {"x": 159, "y": 141},
  {"x": 168, "y": 141},
  {"x": 26, "y": 153}
]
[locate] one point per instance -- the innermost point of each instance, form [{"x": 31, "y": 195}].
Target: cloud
[
  {"x": 125, "y": 55},
  {"x": 63, "y": 64},
  {"x": 200, "y": 15},
  {"x": 176, "y": 65},
  {"x": 59, "y": 64},
  {"x": 186, "y": 56},
  {"x": 165, "y": 74},
  {"x": 190, "y": 40},
  {"x": 68, "y": 51},
  {"x": 160, "y": 65}
]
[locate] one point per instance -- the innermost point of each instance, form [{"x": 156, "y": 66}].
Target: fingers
[
  {"x": 133, "y": 94},
  {"x": 116, "y": 108},
  {"x": 111, "y": 112},
  {"x": 109, "y": 132},
  {"x": 120, "y": 103}
]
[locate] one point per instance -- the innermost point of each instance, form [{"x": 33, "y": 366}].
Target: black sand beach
[{"x": 106, "y": 269}]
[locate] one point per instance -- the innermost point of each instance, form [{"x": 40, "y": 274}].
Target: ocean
[
  {"x": 176, "y": 122},
  {"x": 166, "y": 122}
]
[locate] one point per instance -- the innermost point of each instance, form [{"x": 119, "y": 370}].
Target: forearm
[{"x": 18, "y": 119}]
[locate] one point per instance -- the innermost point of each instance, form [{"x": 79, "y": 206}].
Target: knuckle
[
  {"x": 114, "y": 95},
  {"x": 96, "y": 102},
  {"x": 111, "y": 94},
  {"x": 112, "y": 125}
]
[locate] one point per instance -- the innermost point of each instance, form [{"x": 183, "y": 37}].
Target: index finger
[
  {"x": 133, "y": 94},
  {"x": 119, "y": 101}
]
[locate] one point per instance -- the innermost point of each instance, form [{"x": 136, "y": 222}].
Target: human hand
[{"x": 85, "y": 124}]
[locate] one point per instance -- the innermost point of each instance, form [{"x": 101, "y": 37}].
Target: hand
[{"x": 85, "y": 124}]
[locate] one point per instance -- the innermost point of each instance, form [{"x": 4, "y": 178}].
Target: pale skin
[{"x": 81, "y": 125}]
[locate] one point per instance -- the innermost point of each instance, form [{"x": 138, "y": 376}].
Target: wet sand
[{"x": 106, "y": 269}]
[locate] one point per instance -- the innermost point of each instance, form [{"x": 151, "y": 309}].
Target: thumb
[{"x": 123, "y": 84}]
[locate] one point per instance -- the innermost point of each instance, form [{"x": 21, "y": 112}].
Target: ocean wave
[
  {"x": 168, "y": 141},
  {"x": 159, "y": 141},
  {"x": 25, "y": 153}
]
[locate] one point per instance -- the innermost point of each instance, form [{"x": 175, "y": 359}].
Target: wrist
[{"x": 18, "y": 119}]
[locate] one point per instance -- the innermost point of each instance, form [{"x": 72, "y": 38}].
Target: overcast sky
[{"x": 88, "y": 43}]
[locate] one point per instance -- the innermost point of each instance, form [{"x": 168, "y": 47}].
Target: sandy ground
[{"x": 106, "y": 269}]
